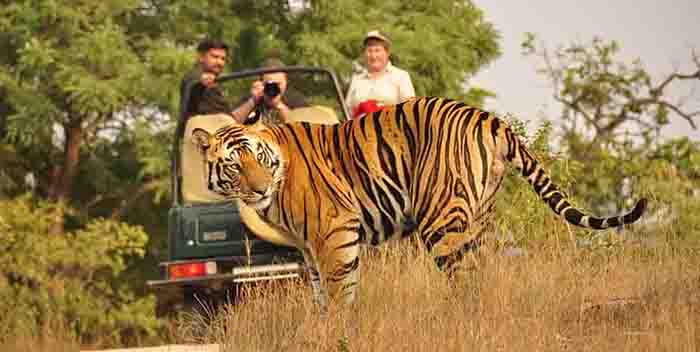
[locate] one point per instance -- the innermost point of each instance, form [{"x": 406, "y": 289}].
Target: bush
[
  {"x": 607, "y": 184},
  {"x": 72, "y": 281}
]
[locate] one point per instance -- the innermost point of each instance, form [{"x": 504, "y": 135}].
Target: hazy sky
[{"x": 658, "y": 33}]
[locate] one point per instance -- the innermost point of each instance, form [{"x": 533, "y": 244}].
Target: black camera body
[{"x": 271, "y": 89}]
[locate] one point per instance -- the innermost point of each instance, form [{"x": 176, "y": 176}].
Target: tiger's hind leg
[
  {"x": 446, "y": 263},
  {"x": 453, "y": 246}
]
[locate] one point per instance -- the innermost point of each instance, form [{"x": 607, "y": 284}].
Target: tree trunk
[{"x": 63, "y": 175}]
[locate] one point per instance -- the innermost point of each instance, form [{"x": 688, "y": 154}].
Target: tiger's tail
[{"x": 533, "y": 170}]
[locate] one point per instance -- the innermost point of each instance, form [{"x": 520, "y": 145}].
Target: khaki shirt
[{"x": 393, "y": 86}]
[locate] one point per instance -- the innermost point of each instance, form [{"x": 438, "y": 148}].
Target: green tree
[
  {"x": 612, "y": 116},
  {"x": 71, "y": 72},
  {"x": 606, "y": 101},
  {"x": 76, "y": 282},
  {"x": 440, "y": 43}
]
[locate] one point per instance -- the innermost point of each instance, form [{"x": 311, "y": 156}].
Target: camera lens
[{"x": 271, "y": 89}]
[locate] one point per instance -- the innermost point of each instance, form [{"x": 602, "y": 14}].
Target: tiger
[{"x": 428, "y": 167}]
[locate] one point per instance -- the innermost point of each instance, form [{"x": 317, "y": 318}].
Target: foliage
[
  {"x": 73, "y": 74},
  {"x": 612, "y": 115},
  {"x": 11, "y": 171},
  {"x": 606, "y": 101},
  {"x": 329, "y": 33},
  {"x": 68, "y": 65},
  {"x": 606, "y": 186},
  {"x": 75, "y": 280},
  {"x": 441, "y": 43},
  {"x": 682, "y": 153}
]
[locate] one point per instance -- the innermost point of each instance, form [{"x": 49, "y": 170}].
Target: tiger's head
[{"x": 241, "y": 164}]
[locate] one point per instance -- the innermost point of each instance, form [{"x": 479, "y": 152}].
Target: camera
[{"x": 271, "y": 89}]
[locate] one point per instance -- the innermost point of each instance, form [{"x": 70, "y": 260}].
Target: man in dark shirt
[{"x": 199, "y": 86}]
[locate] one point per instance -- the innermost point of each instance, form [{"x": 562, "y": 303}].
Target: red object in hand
[{"x": 365, "y": 107}]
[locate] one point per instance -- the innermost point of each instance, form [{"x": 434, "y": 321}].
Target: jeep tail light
[{"x": 183, "y": 270}]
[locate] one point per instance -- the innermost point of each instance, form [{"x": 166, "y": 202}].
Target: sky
[{"x": 660, "y": 34}]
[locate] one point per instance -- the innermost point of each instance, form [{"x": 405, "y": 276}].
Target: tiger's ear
[{"x": 200, "y": 138}]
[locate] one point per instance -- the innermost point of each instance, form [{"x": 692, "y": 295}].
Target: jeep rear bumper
[{"x": 238, "y": 274}]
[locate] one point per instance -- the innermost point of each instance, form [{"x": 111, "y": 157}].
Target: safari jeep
[{"x": 210, "y": 251}]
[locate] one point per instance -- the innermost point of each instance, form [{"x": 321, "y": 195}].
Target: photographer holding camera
[{"x": 273, "y": 93}]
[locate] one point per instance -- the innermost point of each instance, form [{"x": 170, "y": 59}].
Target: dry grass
[
  {"x": 552, "y": 299},
  {"x": 53, "y": 339}
]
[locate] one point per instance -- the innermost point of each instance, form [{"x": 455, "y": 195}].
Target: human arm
[
  {"x": 244, "y": 109},
  {"x": 279, "y": 105},
  {"x": 202, "y": 95},
  {"x": 350, "y": 100},
  {"x": 241, "y": 113},
  {"x": 406, "y": 89},
  {"x": 283, "y": 110},
  {"x": 190, "y": 92}
]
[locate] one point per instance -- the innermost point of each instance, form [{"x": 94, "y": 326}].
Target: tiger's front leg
[
  {"x": 318, "y": 291},
  {"x": 337, "y": 252}
]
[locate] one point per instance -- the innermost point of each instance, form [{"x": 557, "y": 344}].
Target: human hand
[
  {"x": 274, "y": 102},
  {"x": 208, "y": 79},
  {"x": 281, "y": 106},
  {"x": 256, "y": 90}
]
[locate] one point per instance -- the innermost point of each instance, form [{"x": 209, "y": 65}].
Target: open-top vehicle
[{"x": 210, "y": 251}]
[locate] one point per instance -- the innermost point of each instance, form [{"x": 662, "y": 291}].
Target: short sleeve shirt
[{"x": 393, "y": 86}]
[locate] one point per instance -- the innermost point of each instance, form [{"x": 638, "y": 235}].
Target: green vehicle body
[{"x": 211, "y": 234}]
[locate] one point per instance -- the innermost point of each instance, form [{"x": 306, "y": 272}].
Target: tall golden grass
[
  {"x": 553, "y": 298},
  {"x": 54, "y": 337}
]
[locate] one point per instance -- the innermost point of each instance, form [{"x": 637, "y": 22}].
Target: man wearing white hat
[{"x": 382, "y": 83}]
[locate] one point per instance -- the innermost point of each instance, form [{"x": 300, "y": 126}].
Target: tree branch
[
  {"x": 678, "y": 76},
  {"x": 687, "y": 116},
  {"x": 573, "y": 105},
  {"x": 674, "y": 76}
]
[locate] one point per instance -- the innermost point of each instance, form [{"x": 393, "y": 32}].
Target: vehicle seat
[
  {"x": 192, "y": 168},
  {"x": 315, "y": 114}
]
